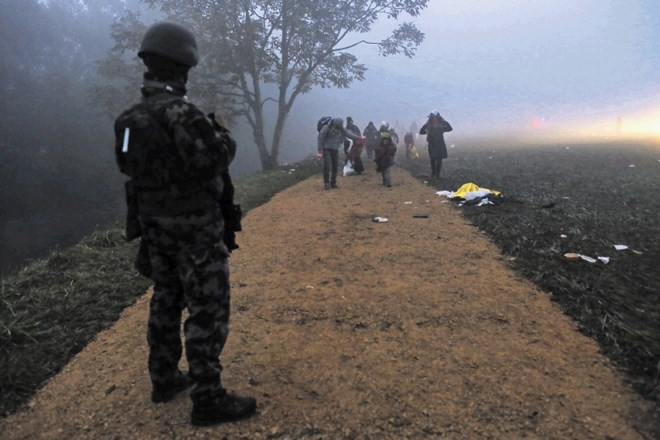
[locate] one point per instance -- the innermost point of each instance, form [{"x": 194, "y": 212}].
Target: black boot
[
  {"x": 222, "y": 408},
  {"x": 161, "y": 393}
]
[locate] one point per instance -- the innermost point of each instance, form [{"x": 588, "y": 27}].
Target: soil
[{"x": 345, "y": 328}]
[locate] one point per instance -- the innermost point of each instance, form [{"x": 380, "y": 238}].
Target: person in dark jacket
[
  {"x": 434, "y": 130},
  {"x": 352, "y": 128},
  {"x": 178, "y": 160},
  {"x": 330, "y": 139},
  {"x": 372, "y": 137},
  {"x": 385, "y": 152}
]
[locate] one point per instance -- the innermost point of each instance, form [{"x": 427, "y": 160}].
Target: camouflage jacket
[{"x": 181, "y": 154}]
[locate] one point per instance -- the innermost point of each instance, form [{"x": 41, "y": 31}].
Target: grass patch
[{"x": 52, "y": 308}]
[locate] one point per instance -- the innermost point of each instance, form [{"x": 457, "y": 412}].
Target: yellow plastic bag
[{"x": 470, "y": 188}]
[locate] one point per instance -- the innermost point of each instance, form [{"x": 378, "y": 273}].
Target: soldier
[{"x": 180, "y": 202}]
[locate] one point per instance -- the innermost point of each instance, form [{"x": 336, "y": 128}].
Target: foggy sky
[{"x": 501, "y": 64}]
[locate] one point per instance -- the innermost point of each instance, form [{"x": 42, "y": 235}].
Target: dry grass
[{"x": 53, "y": 307}]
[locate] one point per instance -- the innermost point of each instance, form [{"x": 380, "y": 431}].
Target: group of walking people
[{"x": 380, "y": 144}]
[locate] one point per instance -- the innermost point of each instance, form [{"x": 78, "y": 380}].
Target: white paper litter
[
  {"x": 485, "y": 202},
  {"x": 604, "y": 259},
  {"x": 445, "y": 193},
  {"x": 407, "y": 203},
  {"x": 588, "y": 258},
  {"x": 564, "y": 236},
  {"x": 632, "y": 165},
  {"x": 380, "y": 219},
  {"x": 620, "y": 247}
]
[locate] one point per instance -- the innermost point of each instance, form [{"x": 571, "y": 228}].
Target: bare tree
[{"x": 258, "y": 53}]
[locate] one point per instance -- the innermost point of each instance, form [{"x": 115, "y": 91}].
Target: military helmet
[{"x": 171, "y": 41}]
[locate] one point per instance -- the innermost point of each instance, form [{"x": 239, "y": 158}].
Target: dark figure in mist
[
  {"x": 352, "y": 128},
  {"x": 181, "y": 204},
  {"x": 372, "y": 138},
  {"x": 434, "y": 130}
]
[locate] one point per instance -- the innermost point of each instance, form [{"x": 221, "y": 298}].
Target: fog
[{"x": 502, "y": 70}]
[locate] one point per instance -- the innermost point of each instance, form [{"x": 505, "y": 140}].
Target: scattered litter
[
  {"x": 573, "y": 256},
  {"x": 292, "y": 170},
  {"x": 472, "y": 194},
  {"x": 380, "y": 219},
  {"x": 427, "y": 201},
  {"x": 421, "y": 215},
  {"x": 445, "y": 201},
  {"x": 563, "y": 236},
  {"x": 309, "y": 287},
  {"x": 620, "y": 247},
  {"x": 485, "y": 202},
  {"x": 637, "y": 252},
  {"x": 632, "y": 165},
  {"x": 407, "y": 203}
]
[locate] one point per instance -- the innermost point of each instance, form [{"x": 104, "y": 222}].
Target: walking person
[
  {"x": 330, "y": 139},
  {"x": 372, "y": 137},
  {"x": 434, "y": 130},
  {"x": 385, "y": 152},
  {"x": 352, "y": 128},
  {"x": 180, "y": 205}
]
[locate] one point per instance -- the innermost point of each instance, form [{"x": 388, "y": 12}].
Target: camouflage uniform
[{"x": 182, "y": 227}]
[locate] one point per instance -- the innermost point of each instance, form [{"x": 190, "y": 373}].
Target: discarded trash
[
  {"x": 407, "y": 203},
  {"x": 485, "y": 202},
  {"x": 620, "y": 247},
  {"x": 473, "y": 194},
  {"x": 421, "y": 215},
  {"x": 563, "y": 236},
  {"x": 309, "y": 287},
  {"x": 632, "y": 165},
  {"x": 637, "y": 252},
  {"x": 380, "y": 219},
  {"x": 573, "y": 256}
]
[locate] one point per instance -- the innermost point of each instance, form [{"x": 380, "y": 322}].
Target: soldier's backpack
[
  {"x": 141, "y": 144},
  {"x": 325, "y": 120}
]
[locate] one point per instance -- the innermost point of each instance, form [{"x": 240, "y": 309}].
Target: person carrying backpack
[
  {"x": 181, "y": 206},
  {"x": 330, "y": 139}
]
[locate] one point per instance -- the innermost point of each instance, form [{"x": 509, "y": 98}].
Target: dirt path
[{"x": 347, "y": 328}]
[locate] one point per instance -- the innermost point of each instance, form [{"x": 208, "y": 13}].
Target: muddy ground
[{"x": 347, "y": 328}]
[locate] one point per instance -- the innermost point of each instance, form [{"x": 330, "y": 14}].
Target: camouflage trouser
[{"x": 190, "y": 270}]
